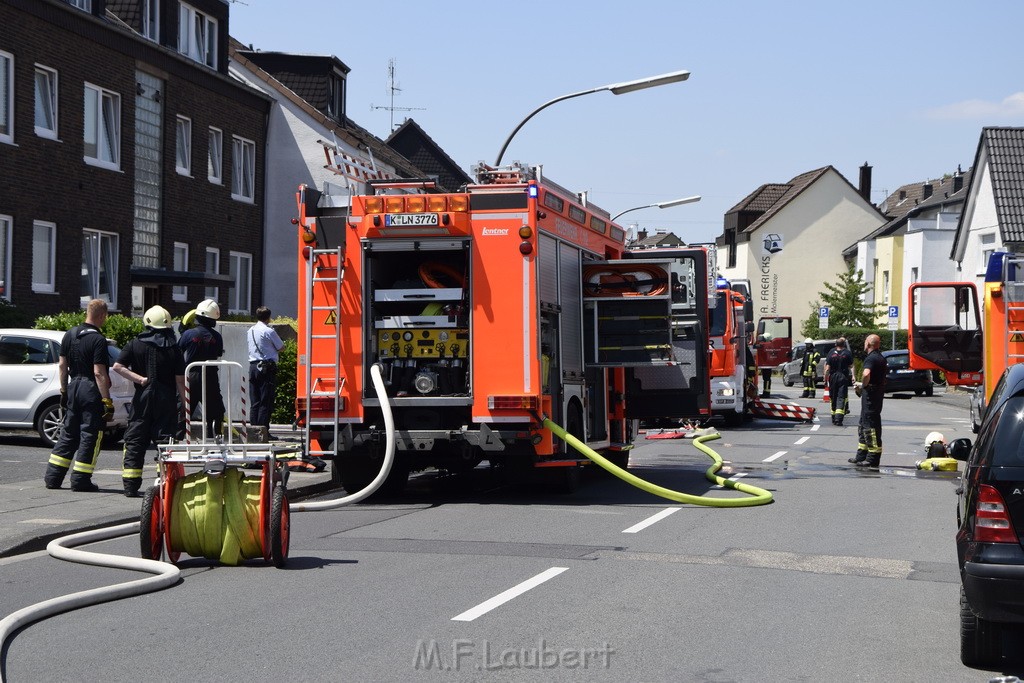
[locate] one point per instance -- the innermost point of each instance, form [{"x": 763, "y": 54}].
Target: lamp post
[
  {"x": 614, "y": 88},
  {"x": 660, "y": 205}
]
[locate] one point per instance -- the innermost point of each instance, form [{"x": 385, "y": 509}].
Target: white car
[{"x": 30, "y": 385}]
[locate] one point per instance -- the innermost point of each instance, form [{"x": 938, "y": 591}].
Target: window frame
[
  {"x": 210, "y": 24},
  {"x": 180, "y": 292},
  {"x": 112, "y": 301},
  {"x": 212, "y": 292},
  {"x": 237, "y": 190},
  {"x": 102, "y": 95},
  {"x": 183, "y": 134},
  {"x": 233, "y": 296},
  {"x": 6, "y": 230},
  {"x": 151, "y": 20},
  {"x": 50, "y": 133},
  {"x": 986, "y": 247},
  {"x": 45, "y": 287},
  {"x": 7, "y": 74},
  {"x": 84, "y": 5},
  {"x": 218, "y": 178}
]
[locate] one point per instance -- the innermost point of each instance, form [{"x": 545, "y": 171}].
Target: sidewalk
[{"x": 32, "y": 515}]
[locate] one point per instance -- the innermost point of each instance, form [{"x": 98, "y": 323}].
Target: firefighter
[
  {"x": 85, "y": 398},
  {"x": 200, "y": 343},
  {"x": 839, "y": 375},
  {"x": 871, "y": 389},
  {"x": 766, "y": 372},
  {"x": 809, "y": 369},
  {"x": 155, "y": 363}
]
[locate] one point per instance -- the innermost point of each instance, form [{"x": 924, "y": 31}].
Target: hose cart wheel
[
  {"x": 151, "y": 528},
  {"x": 279, "y": 527},
  {"x": 172, "y": 473}
]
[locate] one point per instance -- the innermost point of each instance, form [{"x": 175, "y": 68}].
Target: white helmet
[
  {"x": 157, "y": 317},
  {"x": 808, "y": 342},
  {"x": 208, "y": 308},
  {"x": 934, "y": 437}
]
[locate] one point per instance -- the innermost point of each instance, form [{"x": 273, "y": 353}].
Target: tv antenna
[{"x": 392, "y": 89}]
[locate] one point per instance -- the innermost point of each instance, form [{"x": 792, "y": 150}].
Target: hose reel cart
[{"x": 204, "y": 505}]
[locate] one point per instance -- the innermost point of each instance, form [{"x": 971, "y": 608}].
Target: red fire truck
[{"x": 487, "y": 309}]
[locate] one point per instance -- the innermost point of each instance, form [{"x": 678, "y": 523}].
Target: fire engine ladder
[
  {"x": 318, "y": 274},
  {"x": 1013, "y": 275}
]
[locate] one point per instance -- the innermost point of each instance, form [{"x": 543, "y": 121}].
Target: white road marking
[
  {"x": 801, "y": 440},
  {"x": 735, "y": 477},
  {"x": 639, "y": 526},
  {"x": 43, "y": 520},
  {"x": 22, "y": 558},
  {"x": 815, "y": 427},
  {"x": 515, "y": 591},
  {"x": 773, "y": 458}
]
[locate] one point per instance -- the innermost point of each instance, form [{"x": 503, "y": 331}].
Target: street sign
[
  {"x": 894, "y": 317},
  {"x": 823, "y": 318}
]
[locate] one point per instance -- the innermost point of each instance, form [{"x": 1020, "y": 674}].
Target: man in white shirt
[{"x": 264, "y": 345}]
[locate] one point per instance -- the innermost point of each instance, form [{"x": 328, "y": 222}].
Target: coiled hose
[{"x": 760, "y": 496}]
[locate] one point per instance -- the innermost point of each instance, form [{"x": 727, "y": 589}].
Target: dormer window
[
  {"x": 151, "y": 19},
  {"x": 81, "y": 4},
  {"x": 336, "y": 97},
  {"x": 197, "y": 35}
]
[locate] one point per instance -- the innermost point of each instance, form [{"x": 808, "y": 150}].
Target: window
[
  {"x": 46, "y": 102},
  {"x": 19, "y": 350},
  {"x": 183, "y": 156},
  {"x": 336, "y": 97},
  {"x": 151, "y": 19},
  {"x": 102, "y": 127},
  {"x": 43, "y": 238},
  {"x": 197, "y": 35},
  {"x": 5, "y": 256},
  {"x": 99, "y": 267},
  {"x": 214, "y": 159},
  {"x": 241, "y": 271},
  {"x": 6, "y": 97},
  {"x": 81, "y": 4},
  {"x": 913, "y": 275},
  {"x": 212, "y": 268},
  {"x": 180, "y": 292},
  {"x": 243, "y": 169},
  {"x": 885, "y": 287},
  {"x": 987, "y": 244}
]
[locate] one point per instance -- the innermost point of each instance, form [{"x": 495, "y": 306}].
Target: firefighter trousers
[
  {"x": 81, "y": 435},
  {"x": 869, "y": 429},
  {"x": 152, "y": 417},
  {"x": 839, "y": 392}
]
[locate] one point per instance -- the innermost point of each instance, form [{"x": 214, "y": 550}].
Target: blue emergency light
[
  {"x": 721, "y": 283},
  {"x": 532, "y": 192}
]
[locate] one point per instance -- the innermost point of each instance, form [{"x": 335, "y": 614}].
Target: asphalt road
[{"x": 846, "y": 576}]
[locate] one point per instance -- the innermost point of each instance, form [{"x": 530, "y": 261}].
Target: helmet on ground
[
  {"x": 808, "y": 342},
  {"x": 934, "y": 437},
  {"x": 208, "y": 308},
  {"x": 157, "y": 317}
]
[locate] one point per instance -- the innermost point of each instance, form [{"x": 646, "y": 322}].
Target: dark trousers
[
  {"x": 838, "y": 392},
  {"x": 810, "y": 382},
  {"x": 262, "y": 386},
  {"x": 153, "y": 416},
  {"x": 869, "y": 432},
  {"x": 766, "y": 380},
  {"x": 81, "y": 436},
  {"x": 212, "y": 402}
]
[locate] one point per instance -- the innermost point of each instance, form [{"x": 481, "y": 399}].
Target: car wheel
[
  {"x": 49, "y": 423},
  {"x": 980, "y": 640},
  {"x": 918, "y": 392},
  {"x": 787, "y": 381}
]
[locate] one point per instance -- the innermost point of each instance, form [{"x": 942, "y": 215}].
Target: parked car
[
  {"x": 901, "y": 377},
  {"x": 977, "y": 407},
  {"x": 990, "y": 515},
  {"x": 30, "y": 385},
  {"x": 791, "y": 370}
]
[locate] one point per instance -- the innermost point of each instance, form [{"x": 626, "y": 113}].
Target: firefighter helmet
[
  {"x": 157, "y": 317},
  {"x": 808, "y": 342},
  {"x": 934, "y": 437},
  {"x": 208, "y": 308}
]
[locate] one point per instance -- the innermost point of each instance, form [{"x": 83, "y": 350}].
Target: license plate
[
  {"x": 903, "y": 372},
  {"x": 410, "y": 220}
]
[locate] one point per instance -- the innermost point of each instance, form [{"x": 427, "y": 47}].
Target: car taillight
[{"x": 991, "y": 522}]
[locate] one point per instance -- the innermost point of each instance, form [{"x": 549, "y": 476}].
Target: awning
[{"x": 162, "y": 276}]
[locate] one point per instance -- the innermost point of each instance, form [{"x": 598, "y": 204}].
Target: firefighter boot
[
  {"x": 870, "y": 462},
  {"x": 82, "y": 483},
  {"x": 54, "y": 476},
  {"x": 860, "y": 457},
  {"x": 131, "y": 487},
  {"x": 811, "y": 394}
]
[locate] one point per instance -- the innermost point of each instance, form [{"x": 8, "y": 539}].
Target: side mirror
[{"x": 959, "y": 449}]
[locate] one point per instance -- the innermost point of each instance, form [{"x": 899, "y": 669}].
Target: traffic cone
[{"x": 826, "y": 398}]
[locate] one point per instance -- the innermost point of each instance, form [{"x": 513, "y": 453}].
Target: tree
[{"x": 845, "y": 300}]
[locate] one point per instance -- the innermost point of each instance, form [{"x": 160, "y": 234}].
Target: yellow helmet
[{"x": 157, "y": 317}]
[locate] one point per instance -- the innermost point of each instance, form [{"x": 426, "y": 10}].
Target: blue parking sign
[
  {"x": 894, "y": 311},
  {"x": 823, "y": 312}
]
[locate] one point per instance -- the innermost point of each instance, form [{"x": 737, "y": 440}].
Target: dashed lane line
[{"x": 505, "y": 596}]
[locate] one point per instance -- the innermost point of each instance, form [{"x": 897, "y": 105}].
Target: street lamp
[
  {"x": 660, "y": 205},
  {"x": 614, "y": 88}
]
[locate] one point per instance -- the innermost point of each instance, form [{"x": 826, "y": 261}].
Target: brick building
[{"x": 132, "y": 162}]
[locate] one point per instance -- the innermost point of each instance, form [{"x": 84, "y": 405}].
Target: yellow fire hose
[
  {"x": 760, "y": 496},
  {"x": 217, "y": 517}
]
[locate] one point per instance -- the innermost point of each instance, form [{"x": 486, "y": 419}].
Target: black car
[
  {"x": 991, "y": 518},
  {"x": 902, "y": 378}
]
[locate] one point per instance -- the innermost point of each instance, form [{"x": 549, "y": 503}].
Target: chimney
[
  {"x": 926, "y": 191},
  {"x": 958, "y": 183},
  {"x": 865, "y": 182},
  {"x": 641, "y": 235}
]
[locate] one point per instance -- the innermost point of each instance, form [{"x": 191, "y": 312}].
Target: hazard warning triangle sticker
[
  {"x": 1017, "y": 337},
  {"x": 332, "y": 318}
]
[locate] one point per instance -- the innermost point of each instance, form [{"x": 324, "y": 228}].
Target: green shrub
[{"x": 120, "y": 328}]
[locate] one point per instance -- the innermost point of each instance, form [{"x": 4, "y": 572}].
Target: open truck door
[
  {"x": 649, "y": 316},
  {"x": 774, "y": 341},
  {"x": 945, "y": 331}
]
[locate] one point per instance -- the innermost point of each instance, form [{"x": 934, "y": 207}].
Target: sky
[{"x": 776, "y": 88}]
